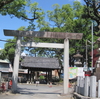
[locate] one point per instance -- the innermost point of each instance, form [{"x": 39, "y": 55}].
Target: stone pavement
[{"x": 27, "y": 91}]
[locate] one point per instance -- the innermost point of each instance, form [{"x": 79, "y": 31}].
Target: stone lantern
[{"x": 78, "y": 57}]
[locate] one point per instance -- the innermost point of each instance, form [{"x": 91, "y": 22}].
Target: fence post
[
  {"x": 98, "y": 88},
  {"x": 0, "y": 77},
  {"x": 86, "y": 86},
  {"x": 93, "y": 86},
  {"x": 77, "y": 87},
  {"x": 81, "y": 85}
]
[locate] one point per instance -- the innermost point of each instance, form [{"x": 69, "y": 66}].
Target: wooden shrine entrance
[{"x": 59, "y": 35}]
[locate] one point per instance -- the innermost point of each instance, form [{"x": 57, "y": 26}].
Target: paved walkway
[{"x": 27, "y": 91}]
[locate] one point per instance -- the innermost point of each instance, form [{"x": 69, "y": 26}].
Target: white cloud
[
  {"x": 0, "y": 48},
  {"x": 78, "y": 0},
  {"x": 23, "y": 54},
  {"x": 75, "y": 0}
]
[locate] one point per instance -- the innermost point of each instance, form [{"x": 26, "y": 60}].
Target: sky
[{"x": 14, "y": 23}]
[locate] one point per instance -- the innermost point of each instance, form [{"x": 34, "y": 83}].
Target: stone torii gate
[{"x": 60, "y": 35}]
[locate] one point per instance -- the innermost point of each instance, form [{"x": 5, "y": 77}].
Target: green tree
[
  {"x": 9, "y": 50},
  {"x": 65, "y": 19},
  {"x": 92, "y": 10},
  {"x": 17, "y": 8},
  {"x": 22, "y": 9},
  {"x": 62, "y": 19},
  {"x": 2, "y": 56}
]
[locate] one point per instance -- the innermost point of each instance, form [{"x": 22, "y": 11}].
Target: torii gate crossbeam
[{"x": 65, "y": 36}]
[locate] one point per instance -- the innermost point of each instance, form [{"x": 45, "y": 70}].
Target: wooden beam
[
  {"x": 42, "y": 34},
  {"x": 45, "y": 45}
]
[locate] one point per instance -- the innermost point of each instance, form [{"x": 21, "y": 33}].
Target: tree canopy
[
  {"x": 92, "y": 10},
  {"x": 22, "y": 9},
  {"x": 65, "y": 19},
  {"x": 68, "y": 18}
]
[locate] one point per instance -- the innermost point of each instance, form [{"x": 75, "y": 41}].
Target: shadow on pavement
[{"x": 29, "y": 91}]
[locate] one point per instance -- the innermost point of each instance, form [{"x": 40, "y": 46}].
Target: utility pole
[
  {"x": 92, "y": 44},
  {"x": 86, "y": 54}
]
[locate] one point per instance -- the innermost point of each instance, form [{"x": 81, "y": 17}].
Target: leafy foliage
[
  {"x": 62, "y": 19},
  {"x": 67, "y": 19},
  {"x": 92, "y": 10},
  {"x": 16, "y": 8},
  {"x": 9, "y": 50}
]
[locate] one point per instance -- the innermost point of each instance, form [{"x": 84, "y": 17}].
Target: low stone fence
[{"x": 87, "y": 88}]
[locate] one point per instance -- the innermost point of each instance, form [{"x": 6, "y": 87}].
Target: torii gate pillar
[
  {"x": 66, "y": 66},
  {"x": 16, "y": 65}
]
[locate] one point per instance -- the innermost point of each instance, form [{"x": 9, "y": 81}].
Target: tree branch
[
  {"x": 30, "y": 18},
  {"x": 3, "y": 3},
  {"x": 92, "y": 10},
  {"x": 34, "y": 18}
]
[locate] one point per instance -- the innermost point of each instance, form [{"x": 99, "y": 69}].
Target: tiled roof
[{"x": 40, "y": 62}]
